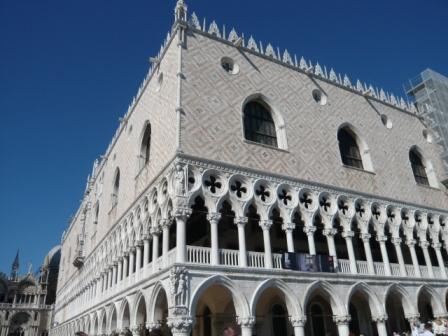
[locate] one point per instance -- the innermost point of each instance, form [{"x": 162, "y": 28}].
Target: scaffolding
[{"x": 429, "y": 92}]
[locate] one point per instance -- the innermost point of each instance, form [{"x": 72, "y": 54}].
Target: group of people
[{"x": 431, "y": 328}]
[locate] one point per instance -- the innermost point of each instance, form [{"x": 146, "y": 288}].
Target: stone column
[
  {"x": 397, "y": 245},
  {"x": 120, "y": 269},
  {"x": 246, "y": 325},
  {"x": 165, "y": 224},
  {"x": 114, "y": 273},
  {"x": 329, "y": 234},
  {"x": 411, "y": 244},
  {"x": 384, "y": 255},
  {"x": 342, "y": 323},
  {"x": 145, "y": 250},
  {"x": 241, "y": 223},
  {"x": 181, "y": 215},
  {"x": 298, "y": 323},
  {"x": 131, "y": 261},
  {"x": 289, "y": 228},
  {"x": 348, "y": 236},
  {"x": 437, "y": 247},
  {"x": 138, "y": 259},
  {"x": 424, "y": 245},
  {"x": 109, "y": 275},
  {"x": 125, "y": 266},
  {"x": 366, "y": 240},
  {"x": 266, "y": 227},
  {"x": 381, "y": 325},
  {"x": 155, "y": 232},
  {"x": 309, "y": 230},
  {"x": 180, "y": 325},
  {"x": 213, "y": 219}
]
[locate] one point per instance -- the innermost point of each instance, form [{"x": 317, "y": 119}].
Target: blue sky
[{"x": 68, "y": 70}]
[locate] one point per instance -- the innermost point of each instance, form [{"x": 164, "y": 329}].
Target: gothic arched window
[
  {"x": 348, "y": 146},
  {"x": 258, "y": 124},
  {"x": 116, "y": 188},
  {"x": 145, "y": 149},
  {"x": 418, "y": 168}
]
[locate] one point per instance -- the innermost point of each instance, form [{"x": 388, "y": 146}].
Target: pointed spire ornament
[
  {"x": 372, "y": 91},
  {"x": 402, "y": 103},
  {"x": 233, "y": 36},
  {"x": 333, "y": 76},
  {"x": 252, "y": 45},
  {"x": 194, "y": 21},
  {"x": 383, "y": 96},
  {"x": 302, "y": 64},
  {"x": 287, "y": 58},
  {"x": 393, "y": 100},
  {"x": 359, "y": 86},
  {"x": 214, "y": 30},
  {"x": 347, "y": 81},
  {"x": 270, "y": 51},
  {"x": 318, "y": 70}
]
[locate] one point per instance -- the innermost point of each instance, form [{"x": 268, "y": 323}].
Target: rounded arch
[
  {"x": 324, "y": 287},
  {"x": 239, "y": 299},
  {"x": 292, "y": 302},
  {"x": 277, "y": 118},
  {"x": 434, "y": 297},
  {"x": 422, "y": 168},
  {"x": 375, "y": 306},
  {"x": 408, "y": 307},
  {"x": 347, "y": 129}
]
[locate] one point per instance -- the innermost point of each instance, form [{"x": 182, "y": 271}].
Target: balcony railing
[{"x": 202, "y": 255}]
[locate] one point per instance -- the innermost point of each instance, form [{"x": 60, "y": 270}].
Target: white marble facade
[{"x": 184, "y": 221}]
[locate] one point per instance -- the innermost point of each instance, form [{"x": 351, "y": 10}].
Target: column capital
[
  {"x": 165, "y": 223},
  {"x": 136, "y": 330},
  {"x": 341, "y": 319},
  {"x": 180, "y": 324},
  {"x": 437, "y": 246},
  {"x": 330, "y": 232},
  {"x": 424, "y": 244},
  {"x": 241, "y": 221},
  {"x": 246, "y": 322},
  {"x": 411, "y": 242},
  {"x": 181, "y": 213},
  {"x": 348, "y": 234},
  {"x": 381, "y": 239},
  {"x": 155, "y": 230},
  {"x": 365, "y": 237},
  {"x": 288, "y": 227},
  {"x": 265, "y": 224},
  {"x": 396, "y": 240},
  {"x": 139, "y": 243},
  {"x": 379, "y": 319},
  {"x": 151, "y": 326},
  {"x": 213, "y": 217},
  {"x": 297, "y": 321},
  {"x": 146, "y": 236},
  {"x": 132, "y": 249},
  {"x": 309, "y": 230}
]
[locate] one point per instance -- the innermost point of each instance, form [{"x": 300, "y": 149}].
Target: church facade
[
  {"x": 26, "y": 302},
  {"x": 246, "y": 188}
]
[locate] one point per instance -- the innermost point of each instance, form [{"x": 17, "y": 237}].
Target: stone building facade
[
  {"x": 233, "y": 157},
  {"x": 26, "y": 302}
]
